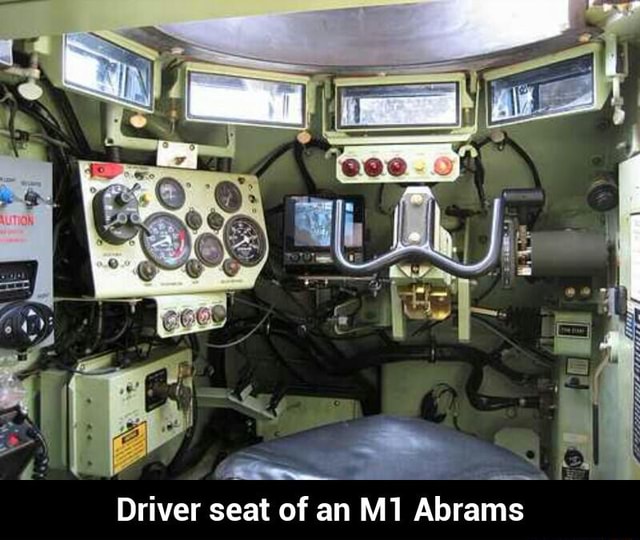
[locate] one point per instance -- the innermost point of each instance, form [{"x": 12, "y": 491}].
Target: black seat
[{"x": 377, "y": 447}]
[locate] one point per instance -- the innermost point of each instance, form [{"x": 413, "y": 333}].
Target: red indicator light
[
  {"x": 350, "y": 167},
  {"x": 13, "y": 440},
  {"x": 397, "y": 166},
  {"x": 443, "y": 166},
  {"x": 373, "y": 167},
  {"x": 106, "y": 171}
]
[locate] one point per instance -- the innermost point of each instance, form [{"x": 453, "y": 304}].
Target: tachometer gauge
[
  {"x": 166, "y": 241},
  {"x": 209, "y": 249},
  {"x": 228, "y": 197},
  {"x": 170, "y": 193},
  {"x": 245, "y": 240}
]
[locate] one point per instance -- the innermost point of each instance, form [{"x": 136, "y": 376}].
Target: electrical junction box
[
  {"x": 118, "y": 416},
  {"x": 26, "y": 255},
  {"x": 572, "y": 333}
]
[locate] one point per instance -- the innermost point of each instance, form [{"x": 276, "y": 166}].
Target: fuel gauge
[
  {"x": 228, "y": 197},
  {"x": 170, "y": 193}
]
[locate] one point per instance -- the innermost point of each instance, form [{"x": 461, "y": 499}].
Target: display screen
[
  {"x": 558, "y": 88},
  {"x": 399, "y": 105},
  {"x": 99, "y": 67},
  {"x": 313, "y": 225},
  {"x": 6, "y": 52},
  {"x": 309, "y": 223},
  {"x": 241, "y": 100}
]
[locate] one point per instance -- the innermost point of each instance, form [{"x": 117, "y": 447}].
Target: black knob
[
  {"x": 147, "y": 271},
  {"x": 194, "y": 268},
  {"x": 124, "y": 198},
  {"x": 307, "y": 257},
  {"x": 573, "y": 458},
  {"x": 218, "y": 313}
]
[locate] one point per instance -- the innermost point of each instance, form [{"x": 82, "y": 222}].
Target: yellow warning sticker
[{"x": 129, "y": 447}]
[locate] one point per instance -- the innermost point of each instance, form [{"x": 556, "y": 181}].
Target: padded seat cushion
[{"x": 377, "y": 447}]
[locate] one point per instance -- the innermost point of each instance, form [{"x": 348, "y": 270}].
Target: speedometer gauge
[
  {"x": 245, "y": 240},
  {"x": 166, "y": 241}
]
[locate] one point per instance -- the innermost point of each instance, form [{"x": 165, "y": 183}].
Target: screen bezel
[
  {"x": 384, "y": 127},
  {"x": 191, "y": 70},
  {"x": 512, "y": 120},
  {"x": 103, "y": 95}
]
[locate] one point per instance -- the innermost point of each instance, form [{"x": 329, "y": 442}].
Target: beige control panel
[
  {"x": 155, "y": 231},
  {"x": 179, "y": 315},
  {"x": 400, "y": 163}
]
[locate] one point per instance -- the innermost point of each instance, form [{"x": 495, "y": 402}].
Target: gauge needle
[
  {"x": 165, "y": 240},
  {"x": 245, "y": 240}
]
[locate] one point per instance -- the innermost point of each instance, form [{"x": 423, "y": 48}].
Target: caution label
[{"x": 129, "y": 447}]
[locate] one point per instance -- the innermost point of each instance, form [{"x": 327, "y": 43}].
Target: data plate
[{"x": 636, "y": 389}]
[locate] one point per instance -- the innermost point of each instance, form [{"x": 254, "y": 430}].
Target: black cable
[
  {"x": 41, "y": 457},
  {"x": 526, "y": 158},
  {"x": 274, "y": 156}
]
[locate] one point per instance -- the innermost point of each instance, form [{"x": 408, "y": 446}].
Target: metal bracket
[
  {"x": 246, "y": 403},
  {"x": 114, "y": 137},
  {"x": 616, "y": 70}
]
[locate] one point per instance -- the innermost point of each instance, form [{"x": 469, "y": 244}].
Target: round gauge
[
  {"x": 228, "y": 197},
  {"x": 245, "y": 240},
  {"x": 166, "y": 241},
  {"x": 209, "y": 249},
  {"x": 170, "y": 193}
]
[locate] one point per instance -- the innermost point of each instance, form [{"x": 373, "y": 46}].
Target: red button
[
  {"x": 350, "y": 167},
  {"x": 443, "y": 166},
  {"x": 373, "y": 167},
  {"x": 397, "y": 166},
  {"x": 106, "y": 171},
  {"x": 13, "y": 440}
]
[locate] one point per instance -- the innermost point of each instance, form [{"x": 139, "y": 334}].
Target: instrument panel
[{"x": 154, "y": 231}]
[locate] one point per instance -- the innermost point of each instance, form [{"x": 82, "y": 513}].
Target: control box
[
  {"x": 402, "y": 163},
  {"x": 154, "y": 231},
  {"x": 116, "y": 417},
  {"x": 17, "y": 443},
  {"x": 26, "y": 257},
  {"x": 308, "y": 226}
]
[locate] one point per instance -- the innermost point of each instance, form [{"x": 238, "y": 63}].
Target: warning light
[
  {"x": 373, "y": 167},
  {"x": 350, "y": 167},
  {"x": 397, "y": 166},
  {"x": 443, "y": 166}
]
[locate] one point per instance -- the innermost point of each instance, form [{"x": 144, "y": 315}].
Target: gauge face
[
  {"x": 209, "y": 249},
  {"x": 168, "y": 243},
  {"x": 170, "y": 193},
  {"x": 228, "y": 196},
  {"x": 245, "y": 240}
]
